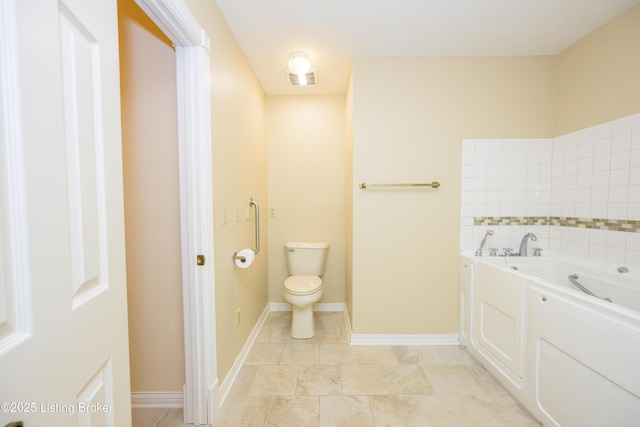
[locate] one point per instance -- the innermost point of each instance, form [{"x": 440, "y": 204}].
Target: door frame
[{"x": 193, "y": 77}]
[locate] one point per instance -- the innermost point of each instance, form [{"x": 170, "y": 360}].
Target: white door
[{"x": 63, "y": 320}]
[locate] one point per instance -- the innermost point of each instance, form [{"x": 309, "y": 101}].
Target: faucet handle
[
  {"x": 537, "y": 251},
  {"x": 493, "y": 251},
  {"x": 507, "y": 251}
]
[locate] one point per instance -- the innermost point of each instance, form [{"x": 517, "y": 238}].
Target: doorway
[
  {"x": 178, "y": 28},
  {"x": 152, "y": 206}
]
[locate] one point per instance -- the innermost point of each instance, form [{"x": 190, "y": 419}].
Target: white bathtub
[{"x": 571, "y": 358}]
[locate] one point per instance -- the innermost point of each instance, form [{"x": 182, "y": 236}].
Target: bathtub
[{"x": 572, "y": 359}]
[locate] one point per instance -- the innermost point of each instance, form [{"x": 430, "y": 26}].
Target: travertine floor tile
[
  {"x": 402, "y": 411},
  {"x": 319, "y": 380},
  {"x": 345, "y": 411},
  {"x": 452, "y": 380},
  {"x": 477, "y": 411},
  {"x": 275, "y": 379},
  {"x": 407, "y": 354},
  {"x": 324, "y": 381},
  {"x": 146, "y": 417},
  {"x": 376, "y": 355},
  {"x": 364, "y": 380},
  {"x": 171, "y": 418},
  {"x": 265, "y": 354},
  {"x": 338, "y": 354},
  {"x": 407, "y": 380},
  {"x": 244, "y": 380},
  {"x": 294, "y": 411},
  {"x": 300, "y": 354},
  {"x": 485, "y": 381},
  {"x": 244, "y": 411},
  {"x": 443, "y": 355}
]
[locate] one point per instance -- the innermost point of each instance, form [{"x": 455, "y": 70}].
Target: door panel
[
  {"x": 63, "y": 332},
  {"x": 81, "y": 93}
]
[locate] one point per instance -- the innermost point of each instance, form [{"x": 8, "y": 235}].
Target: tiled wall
[{"x": 579, "y": 193}]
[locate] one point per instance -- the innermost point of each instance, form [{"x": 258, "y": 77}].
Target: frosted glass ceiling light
[
  {"x": 299, "y": 63},
  {"x": 299, "y": 70}
]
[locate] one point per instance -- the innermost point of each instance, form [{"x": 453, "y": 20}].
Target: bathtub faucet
[
  {"x": 484, "y": 242},
  {"x": 523, "y": 243}
]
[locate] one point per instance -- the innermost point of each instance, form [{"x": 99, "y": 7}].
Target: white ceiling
[{"x": 334, "y": 32}]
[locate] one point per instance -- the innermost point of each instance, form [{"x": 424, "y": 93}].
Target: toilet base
[{"x": 302, "y": 323}]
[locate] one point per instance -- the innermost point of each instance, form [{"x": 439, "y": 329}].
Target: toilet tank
[{"x": 306, "y": 258}]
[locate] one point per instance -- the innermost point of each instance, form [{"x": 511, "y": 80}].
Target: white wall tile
[
  {"x": 617, "y": 211},
  {"x": 586, "y": 135},
  {"x": 620, "y": 160},
  {"x": 635, "y": 140},
  {"x": 583, "y": 180},
  {"x": 632, "y": 258},
  {"x": 599, "y": 210},
  {"x": 601, "y": 162},
  {"x": 597, "y": 252},
  {"x": 615, "y": 255},
  {"x": 634, "y": 158},
  {"x": 618, "y": 177},
  {"x": 600, "y": 178},
  {"x": 581, "y": 249},
  {"x": 634, "y": 176},
  {"x": 602, "y": 131},
  {"x": 592, "y": 173},
  {"x": 598, "y": 237},
  {"x": 634, "y": 194},
  {"x": 636, "y": 122},
  {"x": 621, "y": 126},
  {"x": 633, "y": 241},
  {"x": 601, "y": 146},
  {"x": 621, "y": 143}
]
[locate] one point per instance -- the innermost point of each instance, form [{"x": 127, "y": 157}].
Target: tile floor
[{"x": 325, "y": 381}]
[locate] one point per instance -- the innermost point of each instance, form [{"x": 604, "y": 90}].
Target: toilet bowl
[
  {"x": 302, "y": 292},
  {"x": 306, "y": 262}
]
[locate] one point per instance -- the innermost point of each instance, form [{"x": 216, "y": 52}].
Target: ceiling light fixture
[
  {"x": 299, "y": 63},
  {"x": 299, "y": 72}
]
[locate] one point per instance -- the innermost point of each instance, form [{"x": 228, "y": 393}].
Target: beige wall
[
  {"x": 409, "y": 118},
  {"x": 599, "y": 76},
  {"x": 152, "y": 206},
  {"x": 239, "y": 173},
  {"x": 306, "y": 163}
]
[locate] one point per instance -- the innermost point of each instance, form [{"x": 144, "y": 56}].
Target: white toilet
[{"x": 306, "y": 262}]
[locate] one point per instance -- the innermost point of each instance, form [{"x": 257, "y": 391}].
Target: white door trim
[{"x": 193, "y": 76}]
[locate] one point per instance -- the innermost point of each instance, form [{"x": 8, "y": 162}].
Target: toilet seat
[{"x": 302, "y": 285}]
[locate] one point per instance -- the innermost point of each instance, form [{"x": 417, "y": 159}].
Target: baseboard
[
  {"x": 375, "y": 339},
  {"x": 156, "y": 400},
  {"x": 226, "y": 385},
  {"x": 321, "y": 306},
  {"x": 404, "y": 339}
]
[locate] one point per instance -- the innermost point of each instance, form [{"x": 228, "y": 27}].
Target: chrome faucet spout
[
  {"x": 484, "y": 242},
  {"x": 523, "y": 243}
]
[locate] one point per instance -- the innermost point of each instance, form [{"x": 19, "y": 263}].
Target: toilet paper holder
[
  {"x": 257, "y": 223},
  {"x": 240, "y": 257}
]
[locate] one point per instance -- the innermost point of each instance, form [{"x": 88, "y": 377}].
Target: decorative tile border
[{"x": 629, "y": 226}]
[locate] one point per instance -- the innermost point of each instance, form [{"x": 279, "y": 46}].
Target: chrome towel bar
[{"x": 364, "y": 185}]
